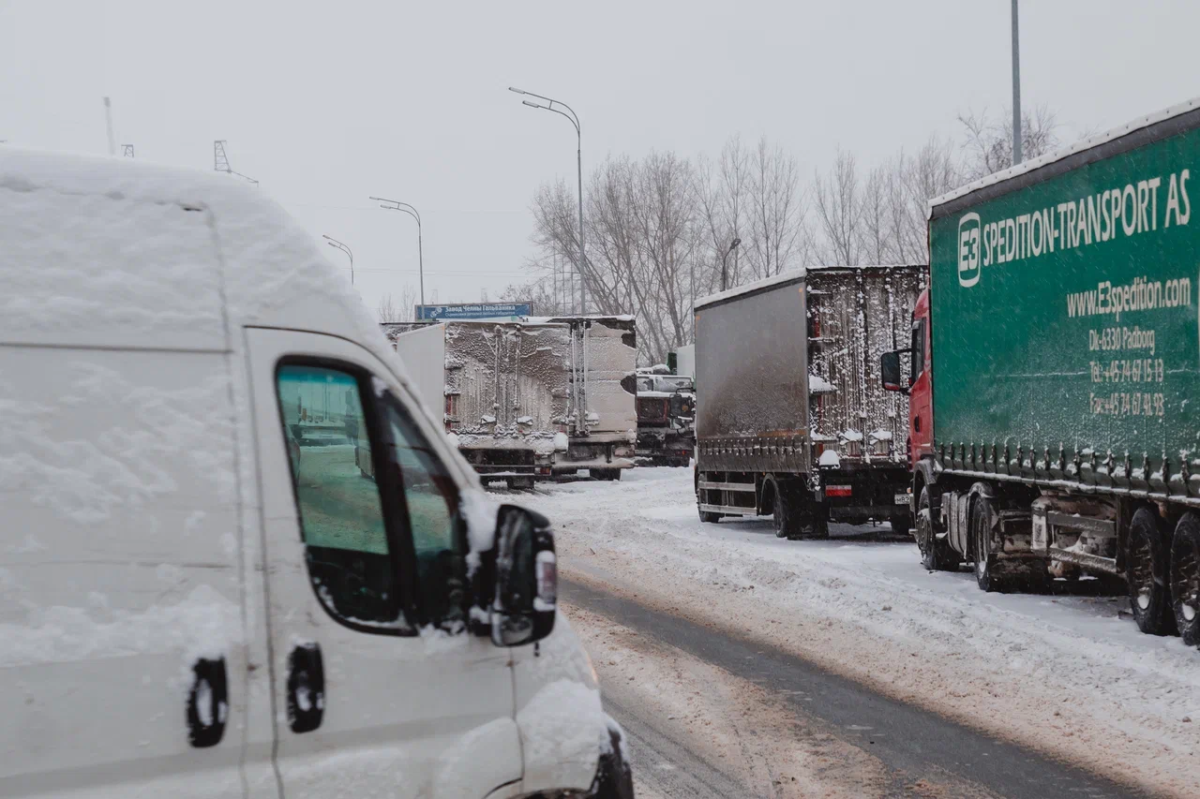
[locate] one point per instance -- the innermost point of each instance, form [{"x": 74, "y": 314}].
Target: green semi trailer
[{"x": 1054, "y": 372}]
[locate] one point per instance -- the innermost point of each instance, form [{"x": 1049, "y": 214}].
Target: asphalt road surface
[{"x": 792, "y": 729}]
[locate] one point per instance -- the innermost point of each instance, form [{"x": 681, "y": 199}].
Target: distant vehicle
[
  {"x": 858, "y": 429},
  {"x": 666, "y": 408},
  {"x": 790, "y": 420},
  {"x": 191, "y": 607},
  {"x": 602, "y": 419},
  {"x": 503, "y": 389},
  {"x": 1053, "y": 373}
]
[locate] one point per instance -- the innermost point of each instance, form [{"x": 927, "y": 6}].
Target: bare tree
[
  {"x": 722, "y": 191},
  {"x": 776, "y": 212},
  {"x": 987, "y": 148},
  {"x": 839, "y": 211},
  {"x": 391, "y": 310},
  {"x": 876, "y": 235}
]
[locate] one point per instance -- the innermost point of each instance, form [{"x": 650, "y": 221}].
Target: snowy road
[{"x": 993, "y": 686}]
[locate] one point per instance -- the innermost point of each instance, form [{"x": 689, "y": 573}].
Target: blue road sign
[{"x": 484, "y": 310}]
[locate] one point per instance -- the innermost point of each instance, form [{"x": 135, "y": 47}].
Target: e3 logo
[{"x": 968, "y": 250}]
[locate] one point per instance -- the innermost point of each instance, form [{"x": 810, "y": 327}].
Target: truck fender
[{"x": 925, "y": 477}]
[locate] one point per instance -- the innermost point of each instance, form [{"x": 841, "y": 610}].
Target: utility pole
[
  {"x": 1016, "y": 66},
  {"x": 112, "y": 140},
  {"x": 341, "y": 245},
  {"x": 733, "y": 245},
  {"x": 573, "y": 118},
  {"x": 396, "y": 205},
  {"x": 221, "y": 161}
]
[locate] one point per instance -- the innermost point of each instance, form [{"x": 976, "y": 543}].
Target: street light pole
[
  {"x": 1016, "y": 87},
  {"x": 570, "y": 114},
  {"x": 396, "y": 205},
  {"x": 733, "y": 245},
  {"x": 339, "y": 245}
]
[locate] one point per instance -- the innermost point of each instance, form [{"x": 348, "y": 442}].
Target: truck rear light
[{"x": 838, "y": 491}]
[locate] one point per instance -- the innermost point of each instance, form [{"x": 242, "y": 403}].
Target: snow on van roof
[
  {"x": 1058, "y": 155},
  {"x": 103, "y": 251},
  {"x": 790, "y": 276}
]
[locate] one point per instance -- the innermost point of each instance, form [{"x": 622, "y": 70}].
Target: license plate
[{"x": 900, "y": 499}]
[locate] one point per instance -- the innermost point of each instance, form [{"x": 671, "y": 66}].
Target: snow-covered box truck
[
  {"x": 503, "y": 389},
  {"x": 791, "y": 419},
  {"x": 602, "y": 417},
  {"x": 1054, "y": 372},
  {"x": 859, "y": 429}
]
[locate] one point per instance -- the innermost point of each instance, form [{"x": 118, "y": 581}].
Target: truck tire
[
  {"x": 1147, "y": 572},
  {"x": 936, "y": 554},
  {"x": 1185, "y": 578},
  {"x": 787, "y": 511},
  {"x": 986, "y": 573}
]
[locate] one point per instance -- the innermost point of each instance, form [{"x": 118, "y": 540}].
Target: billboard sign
[{"x": 483, "y": 310}]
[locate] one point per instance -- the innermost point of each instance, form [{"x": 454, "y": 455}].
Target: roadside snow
[{"x": 1069, "y": 675}]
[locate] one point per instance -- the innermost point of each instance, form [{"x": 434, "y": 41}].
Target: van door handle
[
  {"x": 305, "y": 688},
  {"x": 207, "y": 703}
]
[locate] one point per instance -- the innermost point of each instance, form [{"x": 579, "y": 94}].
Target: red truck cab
[
  {"x": 920, "y": 399},
  {"x": 917, "y": 383}
]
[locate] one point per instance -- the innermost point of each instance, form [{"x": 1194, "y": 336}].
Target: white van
[{"x": 202, "y": 594}]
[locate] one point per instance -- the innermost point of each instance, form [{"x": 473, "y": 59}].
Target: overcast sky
[{"x": 328, "y": 102}]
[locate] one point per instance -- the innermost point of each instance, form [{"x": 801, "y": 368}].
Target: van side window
[
  {"x": 341, "y": 513},
  {"x": 431, "y": 498}
]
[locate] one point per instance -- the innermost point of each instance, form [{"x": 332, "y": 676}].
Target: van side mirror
[
  {"x": 891, "y": 371},
  {"x": 523, "y": 609}
]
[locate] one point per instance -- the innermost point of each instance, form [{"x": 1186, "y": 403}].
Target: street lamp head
[
  {"x": 518, "y": 91},
  {"x": 531, "y": 104}
]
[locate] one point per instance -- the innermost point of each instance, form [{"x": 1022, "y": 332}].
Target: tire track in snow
[{"x": 924, "y": 754}]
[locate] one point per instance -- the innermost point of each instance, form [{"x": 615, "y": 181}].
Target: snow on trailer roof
[
  {"x": 1113, "y": 136},
  {"x": 568, "y": 318},
  {"x": 863, "y": 267},
  {"x": 783, "y": 278}
]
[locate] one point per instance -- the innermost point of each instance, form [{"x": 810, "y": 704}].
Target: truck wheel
[
  {"x": 936, "y": 554},
  {"x": 1185, "y": 578},
  {"x": 1146, "y": 572},
  {"x": 981, "y": 541},
  {"x": 820, "y": 528},
  {"x": 786, "y": 511}
]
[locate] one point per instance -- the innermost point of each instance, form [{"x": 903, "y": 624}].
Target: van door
[{"x": 378, "y": 688}]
